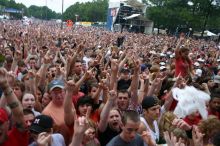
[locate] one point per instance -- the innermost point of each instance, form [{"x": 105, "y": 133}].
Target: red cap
[{"x": 3, "y": 115}]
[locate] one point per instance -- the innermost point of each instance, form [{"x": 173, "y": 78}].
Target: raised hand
[
  {"x": 197, "y": 136},
  {"x": 181, "y": 124},
  {"x": 81, "y": 125},
  {"x": 3, "y": 79},
  {"x": 44, "y": 139},
  {"x": 31, "y": 74},
  {"x": 80, "y": 48},
  {"x": 112, "y": 95},
  {"x": 70, "y": 86},
  {"x": 146, "y": 136},
  {"x": 114, "y": 65},
  {"x": 47, "y": 59},
  {"x": 41, "y": 53},
  {"x": 136, "y": 65},
  {"x": 171, "y": 140},
  {"x": 88, "y": 74},
  {"x": 11, "y": 77}
]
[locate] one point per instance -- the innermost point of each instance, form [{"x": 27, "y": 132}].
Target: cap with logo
[
  {"x": 41, "y": 124},
  {"x": 56, "y": 83}
]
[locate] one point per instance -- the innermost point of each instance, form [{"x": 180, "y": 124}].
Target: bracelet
[{"x": 8, "y": 93}]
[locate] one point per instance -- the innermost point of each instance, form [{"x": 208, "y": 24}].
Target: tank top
[{"x": 154, "y": 135}]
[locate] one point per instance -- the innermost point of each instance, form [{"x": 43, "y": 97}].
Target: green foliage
[
  {"x": 42, "y": 13},
  {"x": 35, "y": 11},
  {"x": 172, "y": 13},
  {"x": 89, "y": 11}
]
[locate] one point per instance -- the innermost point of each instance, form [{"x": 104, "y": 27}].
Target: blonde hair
[{"x": 166, "y": 122}]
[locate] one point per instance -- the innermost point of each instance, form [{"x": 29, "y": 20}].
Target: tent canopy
[
  {"x": 132, "y": 16},
  {"x": 209, "y": 33}
]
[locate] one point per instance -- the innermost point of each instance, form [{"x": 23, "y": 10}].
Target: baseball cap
[
  {"x": 56, "y": 83},
  {"x": 41, "y": 124},
  {"x": 3, "y": 115},
  {"x": 149, "y": 102}
]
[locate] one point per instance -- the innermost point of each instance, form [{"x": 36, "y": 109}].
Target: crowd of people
[{"x": 86, "y": 86}]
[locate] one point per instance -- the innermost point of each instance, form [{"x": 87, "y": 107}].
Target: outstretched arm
[
  {"x": 135, "y": 83},
  {"x": 69, "y": 109},
  {"x": 106, "y": 110},
  {"x": 80, "y": 126},
  {"x": 12, "y": 101},
  {"x": 177, "y": 50}
]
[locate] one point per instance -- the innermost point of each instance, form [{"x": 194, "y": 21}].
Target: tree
[
  {"x": 38, "y": 12},
  {"x": 171, "y": 14},
  {"x": 89, "y": 11}
]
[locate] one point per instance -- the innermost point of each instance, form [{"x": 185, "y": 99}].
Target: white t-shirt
[{"x": 86, "y": 59}]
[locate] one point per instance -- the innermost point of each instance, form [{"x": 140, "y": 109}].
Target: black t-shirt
[
  {"x": 107, "y": 135},
  {"x": 124, "y": 84}
]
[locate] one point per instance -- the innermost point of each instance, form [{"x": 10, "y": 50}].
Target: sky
[{"x": 55, "y": 5}]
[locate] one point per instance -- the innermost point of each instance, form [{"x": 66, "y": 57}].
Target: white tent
[
  {"x": 132, "y": 16},
  {"x": 206, "y": 34},
  {"x": 209, "y": 33}
]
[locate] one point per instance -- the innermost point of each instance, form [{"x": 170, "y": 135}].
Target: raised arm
[
  {"x": 159, "y": 84},
  {"x": 106, "y": 110},
  {"x": 122, "y": 62},
  {"x": 69, "y": 109},
  {"x": 153, "y": 87},
  {"x": 43, "y": 70},
  {"x": 96, "y": 96},
  {"x": 86, "y": 76},
  {"x": 62, "y": 58},
  {"x": 144, "y": 84},
  {"x": 17, "y": 57},
  {"x": 12, "y": 101},
  {"x": 135, "y": 83},
  {"x": 80, "y": 126},
  {"x": 72, "y": 60},
  {"x": 177, "y": 49},
  {"x": 114, "y": 73}
]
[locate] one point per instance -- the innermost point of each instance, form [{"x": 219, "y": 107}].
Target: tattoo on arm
[{"x": 13, "y": 105}]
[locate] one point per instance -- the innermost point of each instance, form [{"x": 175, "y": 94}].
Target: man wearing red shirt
[{"x": 17, "y": 136}]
